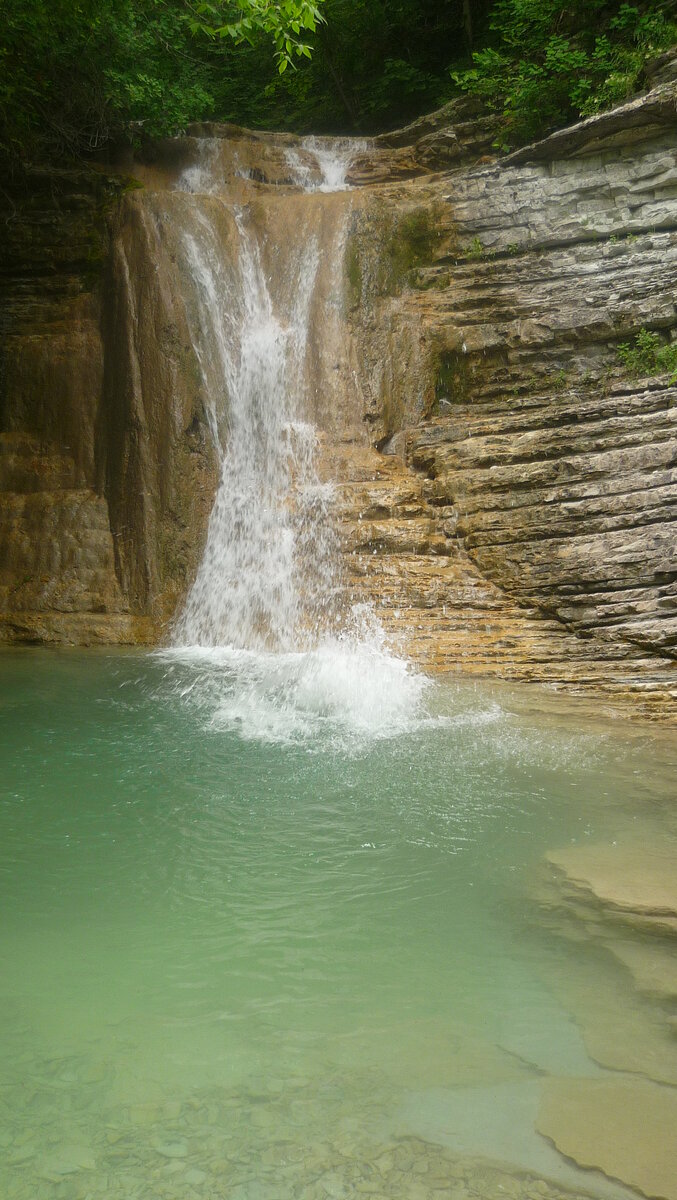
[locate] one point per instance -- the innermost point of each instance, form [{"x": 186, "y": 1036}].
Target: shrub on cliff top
[
  {"x": 75, "y": 74},
  {"x": 550, "y": 63}
]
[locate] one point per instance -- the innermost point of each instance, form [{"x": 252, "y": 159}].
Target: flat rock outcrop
[
  {"x": 624, "y": 1128},
  {"x": 628, "y": 881},
  {"x": 610, "y": 911},
  {"x": 616, "y": 904}
]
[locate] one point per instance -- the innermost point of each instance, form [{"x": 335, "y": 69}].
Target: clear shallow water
[{"x": 238, "y": 962}]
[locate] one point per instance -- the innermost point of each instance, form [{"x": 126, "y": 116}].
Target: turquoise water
[{"x": 251, "y": 946}]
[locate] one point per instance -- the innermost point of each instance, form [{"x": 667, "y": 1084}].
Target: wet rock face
[
  {"x": 156, "y": 463},
  {"x": 105, "y": 474}
]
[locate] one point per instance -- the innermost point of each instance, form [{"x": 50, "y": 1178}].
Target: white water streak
[
  {"x": 265, "y": 543},
  {"x": 269, "y": 662},
  {"x": 322, "y": 164}
]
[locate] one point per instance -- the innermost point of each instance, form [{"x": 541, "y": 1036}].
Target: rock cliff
[
  {"x": 103, "y": 458},
  {"x": 532, "y": 534},
  {"x": 504, "y": 491}
]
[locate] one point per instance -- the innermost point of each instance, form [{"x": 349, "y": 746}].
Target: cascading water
[
  {"x": 322, "y": 164},
  {"x": 277, "y": 652},
  {"x": 267, "y": 554}
]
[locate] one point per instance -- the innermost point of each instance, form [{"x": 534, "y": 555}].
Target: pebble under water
[{"x": 259, "y": 948}]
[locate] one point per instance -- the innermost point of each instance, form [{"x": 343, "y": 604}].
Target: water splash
[
  {"x": 342, "y": 694},
  {"x": 322, "y": 164}
]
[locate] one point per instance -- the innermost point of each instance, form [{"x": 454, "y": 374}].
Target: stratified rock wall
[
  {"x": 544, "y": 472},
  {"x": 57, "y": 573}
]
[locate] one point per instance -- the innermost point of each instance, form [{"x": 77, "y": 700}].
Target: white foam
[
  {"x": 202, "y": 177},
  {"x": 344, "y": 693},
  {"x": 267, "y": 559}
]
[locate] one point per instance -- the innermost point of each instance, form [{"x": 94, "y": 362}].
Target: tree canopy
[{"x": 78, "y": 76}]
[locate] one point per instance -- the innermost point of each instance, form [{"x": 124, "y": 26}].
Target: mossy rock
[
  {"x": 353, "y": 264},
  {"x": 386, "y": 251},
  {"x": 410, "y": 243}
]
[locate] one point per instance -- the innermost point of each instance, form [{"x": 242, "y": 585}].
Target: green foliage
[
  {"x": 549, "y": 63},
  {"x": 79, "y": 75},
  {"x": 375, "y": 64},
  {"x": 244, "y": 21},
  {"x": 76, "y": 75},
  {"x": 648, "y": 355},
  {"x": 152, "y": 79}
]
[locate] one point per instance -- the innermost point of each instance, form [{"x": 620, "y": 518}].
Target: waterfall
[
  {"x": 266, "y": 571},
  {"x": 262, "y": 619},
  {"x": 322, "y": 164}
]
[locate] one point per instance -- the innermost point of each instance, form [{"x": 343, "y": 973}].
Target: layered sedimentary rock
[
  {"x": 504, "y": 492},
  {"x": 544, "y": 475},
  {"x": 57, "y": 563}
]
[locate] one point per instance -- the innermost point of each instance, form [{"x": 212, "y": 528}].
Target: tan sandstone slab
[
  {"x": 625, "y": 1128},
  {"x": 653, "y": 965},
  {"x": 620, "y": 1029},
  {"x": 631, "y": 878}
]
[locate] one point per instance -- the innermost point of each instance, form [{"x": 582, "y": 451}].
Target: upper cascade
[
  {"x": 227, "y": 159},
  {"x": 322, "y": 164}
]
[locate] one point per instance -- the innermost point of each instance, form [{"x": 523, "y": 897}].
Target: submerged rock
[
  {"x": 616, "y": 904},
  {"x": 172, "y": 1149},
  {"x": 624, "y": 880},
  {"x": 67, "y": 1161},
  {"x": 623, "y": 1127}
]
